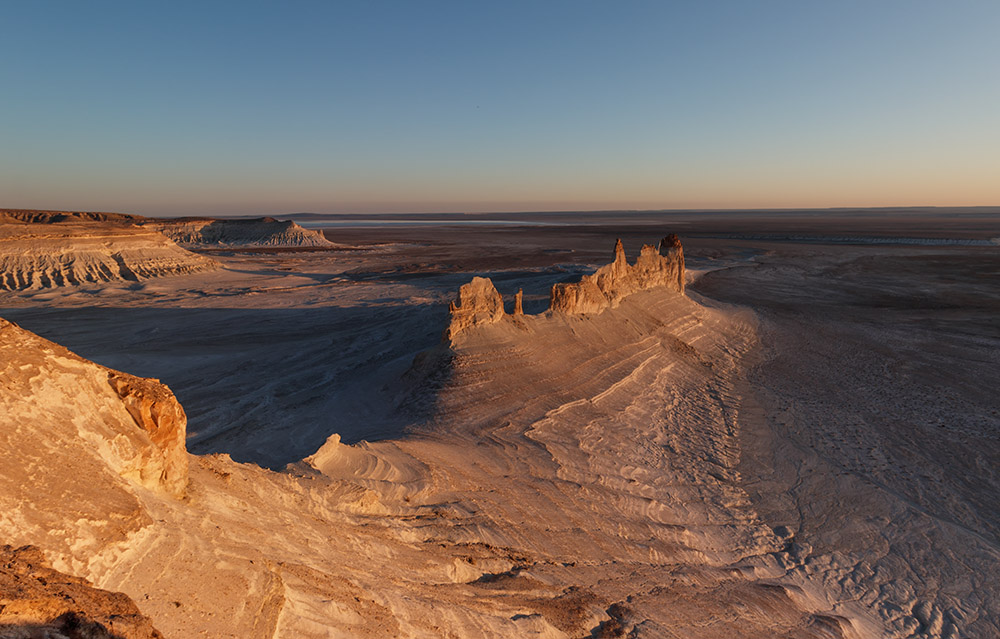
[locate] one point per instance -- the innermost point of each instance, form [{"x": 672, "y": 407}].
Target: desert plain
[{"x": 803, "y": 441}]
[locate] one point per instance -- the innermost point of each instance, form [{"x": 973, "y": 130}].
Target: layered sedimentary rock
[
  {"x": 189, "y": 232},
  {"x": 38, "y": 601},
  {"x": 36, "y": 256},
  {"x": 262, "y": 232},
  {"x": 661, "y": 266},
  {"x": 479, "y": 303}
]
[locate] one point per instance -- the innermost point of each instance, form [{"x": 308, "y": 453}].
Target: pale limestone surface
[{"x": 134, "y": 425}]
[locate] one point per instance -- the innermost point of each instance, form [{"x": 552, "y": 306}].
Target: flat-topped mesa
[
  {"x": 37, "y": 256},
  {"x": 656, "y": 267},
  {"x": 256, "y": 232},
  {"x": 478, "y": 303}
]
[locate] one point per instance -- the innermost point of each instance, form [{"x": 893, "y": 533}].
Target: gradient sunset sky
[{"x": 249, "y": 107}]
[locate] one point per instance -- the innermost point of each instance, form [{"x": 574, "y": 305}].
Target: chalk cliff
[
  {"x": 190, "y": 232},
  {"x": 480, "y": 303},
  {"x": 260, "y": 232},
  {"x": 157, "y": 412},
  {"x": 130, "y": 425},
  {"x": 36, "y": 256}
]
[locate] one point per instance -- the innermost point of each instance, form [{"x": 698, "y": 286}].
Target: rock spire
[{"x": 480, "y": 303}]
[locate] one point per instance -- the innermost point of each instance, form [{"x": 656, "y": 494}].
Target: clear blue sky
[{"x": 254, "y": 107}]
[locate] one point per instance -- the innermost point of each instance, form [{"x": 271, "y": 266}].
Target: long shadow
[
  {"x": 269, "y": 386},
  {"x": 264, "y": 385}
]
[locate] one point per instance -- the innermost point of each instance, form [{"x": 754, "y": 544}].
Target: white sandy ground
[{"x": 657, "y": 469}]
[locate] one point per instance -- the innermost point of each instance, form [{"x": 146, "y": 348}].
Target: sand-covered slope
[
  {"x": 35, "y": 256},
  {"x": 259, "y": 232}
]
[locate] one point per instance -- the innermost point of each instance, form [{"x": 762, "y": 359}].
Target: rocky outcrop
[
  {"x": 37, "y": 256},
  {"x": 156, "y": 411},
  {"x": 480, "y": 303},
  {"x": 655, "y": 267},
  {"x": 258, "y": 232},
  {"x": 38, "y": 601},
  {"x": 118, "y": 423}
]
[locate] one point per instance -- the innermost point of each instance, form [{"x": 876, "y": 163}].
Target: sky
[{"x": 180, "y": 108}]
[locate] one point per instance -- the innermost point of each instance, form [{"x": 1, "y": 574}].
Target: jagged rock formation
[
  {"x": 479, "y": 303},
  {"x": 580, "y": 480},
  {"x": 36, "y": 256},
  {"x": 38, "y": 601},
  {"x": 263, "y": 232},
  {"x": 614, "y": 282},
  {"x": 134, "y": 426},
  {"x": 156, "y": 411}
]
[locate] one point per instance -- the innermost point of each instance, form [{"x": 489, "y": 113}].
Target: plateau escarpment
[
  {"x": 479, "y": 302},
  {"x": 35, "y": 216},
  {"x": 256, "y": 232},
  {"x": 37, "y": 256}
]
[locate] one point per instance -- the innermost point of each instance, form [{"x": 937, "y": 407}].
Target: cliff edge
[
  {"x": 36, "y": 256},
  {"x": 131, "y": 426}
]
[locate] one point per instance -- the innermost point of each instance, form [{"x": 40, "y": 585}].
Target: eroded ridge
[
  {"x": 480, "y": 303},
  {"x": 39, "y": 256}
]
